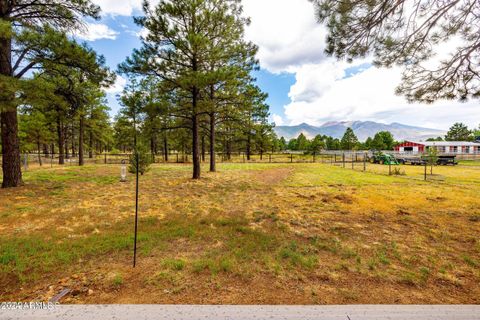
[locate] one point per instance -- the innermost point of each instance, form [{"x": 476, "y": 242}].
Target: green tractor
[{"x": 384, "y": 158}]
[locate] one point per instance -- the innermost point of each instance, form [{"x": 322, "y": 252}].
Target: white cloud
[
  {"x": 143, "y": 33},
  {"x": 286, "y": 32},
  {"x": 121, "y": 7},
  {"x": 370, "y": 96},
  {"x": 116, "y": 7},
  {"x": 290, "y": 40},
  {"x": 310, "y": 86},
  {"x": 118, "y": 86},
  {"x": 278, "y": 120},
  {"x": 96, "y": 31}
]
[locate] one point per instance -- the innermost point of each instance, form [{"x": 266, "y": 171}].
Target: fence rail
[{"x": 333, "y": 157}]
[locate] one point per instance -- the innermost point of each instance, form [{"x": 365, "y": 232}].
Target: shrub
[
  {"x": 398, "y": 172},
  {"x": 144, "y": 161}
]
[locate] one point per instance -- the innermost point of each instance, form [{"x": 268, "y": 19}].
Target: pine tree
[
  {"x": 282, "y": 145},
  {"x": 317, "y": 144},
  {"x": 349, "y": 140},
  {"x": 34, "y": 132},
  {"x": 80, "y": 87},
  {"x": 302, "y": 142},
  {"x": 459, "y": 132}
]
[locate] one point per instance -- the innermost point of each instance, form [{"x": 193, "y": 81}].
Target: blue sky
[
  {"x": 116, "y": 50},
  {"x": 303, "y": 84}
]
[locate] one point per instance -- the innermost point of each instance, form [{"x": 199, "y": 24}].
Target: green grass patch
[{"x": 174, "y": 264}]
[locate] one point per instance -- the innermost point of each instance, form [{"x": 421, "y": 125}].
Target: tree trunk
[
  {"x": 203, "y": 148},
  {"x": 39, "y": 152},
  {"x": 11, "y": 163},
  {"x": 65, "y": 135},
  {"x": 229, "y": 149},
  {"x": 152, "y": 147},
  {"x": 81, "y": 162},
  {"x": 90, "y": 145},
  {"x": 213, "y": 164},
  {"x": 45, "y": 150},
  {"x": 165, "y": 147},
  {"x": 249, "y": 141},
  {"x": 74, "y": 151},
  {"x": 61, "y": 140},
  {"x": 195, "y": 151}
]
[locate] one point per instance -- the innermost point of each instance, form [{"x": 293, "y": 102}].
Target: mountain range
[{"x": 362, "y": 129}]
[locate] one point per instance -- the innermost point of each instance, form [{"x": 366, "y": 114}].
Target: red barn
[{"x": 456, "y": 147}]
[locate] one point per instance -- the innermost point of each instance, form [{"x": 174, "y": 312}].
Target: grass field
[{"x": 249, "y": 234}]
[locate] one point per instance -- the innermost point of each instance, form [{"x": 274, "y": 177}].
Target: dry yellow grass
[{"x": 259, "y": 233}]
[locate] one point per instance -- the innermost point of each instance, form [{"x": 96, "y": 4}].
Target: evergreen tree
[
  {"x": 302, "y": 143},
  {"x": 253, "y": 116},
  {"x": 378, "y": 143},
  {"x": 293, "y": 144},
  {"x": 459, "y": 132},
  {"x": 476, "y": 134},
  {"x": 80, "y": 87},
  {"x": 333, "y": 144},
  {"x": 282, "y": 144},
  {"x": 317, "y": 144},
  {"x": 435, "y": 139},
  {"x": 368, "y": 143},
  {"x": 383, "y": 140},
  {"x": 34, "y": 131},
  {"x": 349, "y": 140}
]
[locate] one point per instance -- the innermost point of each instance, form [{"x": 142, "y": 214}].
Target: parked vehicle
[
  {"x": 414, "y": 161},
  {"x": 383, "y": 158},
  {"x": 420, "y": 161},
  {"x": 446, "y": 160}
]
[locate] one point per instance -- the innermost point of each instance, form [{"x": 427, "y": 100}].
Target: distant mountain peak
[
  {"x": 363, "y": 130},
  {"x": 330, "y": 123}
]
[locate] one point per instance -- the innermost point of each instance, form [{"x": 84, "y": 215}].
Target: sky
[{"x": 304, "y": 85}]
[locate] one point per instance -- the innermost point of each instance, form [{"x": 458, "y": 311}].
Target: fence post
[
  {"x": 105, "y": 160},
  {"x": 177, "y": 157},
  {"x": 390, "y": 168},
  {"x": 314, "y": 153},
  {"x": 343, "y": 158},
  {"x": 25, "y": 162},
  {"x": 270, "y": 158},
  {"x": 365, "y": 162},
  {"x": 425, "y": 175},
  {"x": 335, "y": 158},
  {"x": 353, "y": 164}
]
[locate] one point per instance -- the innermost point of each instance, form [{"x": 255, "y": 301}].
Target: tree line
[
  {"x": 382, "y": 140},
  {"x": 55, "y": 83}
]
